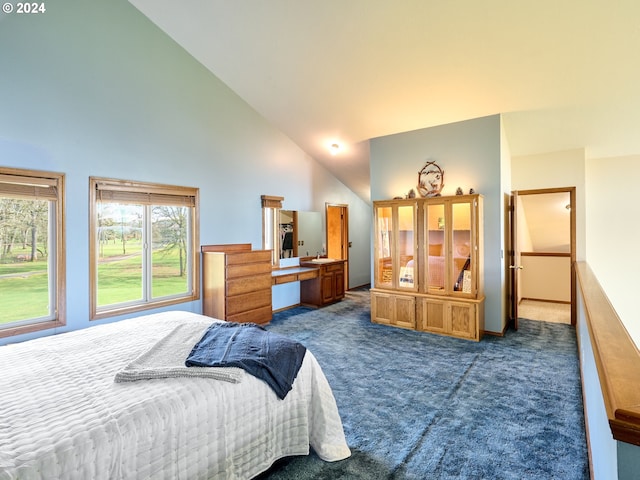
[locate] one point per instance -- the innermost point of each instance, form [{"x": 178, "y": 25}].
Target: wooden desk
[{"x": 293, "y": 274}]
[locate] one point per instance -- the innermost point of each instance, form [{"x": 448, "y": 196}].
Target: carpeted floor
[
  {"x": 422, "y": 406},
  {"x": 545, "y": 311}
]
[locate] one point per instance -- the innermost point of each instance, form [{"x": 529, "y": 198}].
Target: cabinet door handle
[{"x": 514, "y": 267}]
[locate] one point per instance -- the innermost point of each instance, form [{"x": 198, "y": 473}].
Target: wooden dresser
[{"x": 236, "y": 283}]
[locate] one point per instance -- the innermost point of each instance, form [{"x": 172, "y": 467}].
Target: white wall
[
  {"x": 95, "y": 89},
  {"x": 505, "y": 183},
  {"x": 613, "y": 233},
  {"x": 555, "y": 170},
  {"x": 606, "y": 217},
  {"x": 607, "y": 229},
  {"x": 546, "y": 278},
  {"x": 469, "y": 152}
]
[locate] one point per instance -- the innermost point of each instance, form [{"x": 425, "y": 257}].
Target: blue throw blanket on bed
[{"x": 265, "y": 355}]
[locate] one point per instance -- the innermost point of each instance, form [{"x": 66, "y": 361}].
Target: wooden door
[
  {"x": 513, "y": 260},
  {"x": 518, "y": 199},
  {"x": 337, "y": 217}
]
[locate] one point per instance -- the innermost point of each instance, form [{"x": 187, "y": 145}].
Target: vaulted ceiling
[{"x": 564, "y": 74}]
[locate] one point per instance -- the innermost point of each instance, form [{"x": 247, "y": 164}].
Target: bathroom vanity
[{"x": 327, "y": 287}]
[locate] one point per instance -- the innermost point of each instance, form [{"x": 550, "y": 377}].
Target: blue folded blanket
[{"x": 265, "y": 355}]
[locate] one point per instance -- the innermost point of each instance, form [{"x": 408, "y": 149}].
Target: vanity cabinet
[
  {"x": 236, "y": 283},
  {"x": 428, "y": 272},
  {"x": 327, "y": 287}
]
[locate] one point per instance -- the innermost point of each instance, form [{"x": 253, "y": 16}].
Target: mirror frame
[{"x": 271, "y": 206}]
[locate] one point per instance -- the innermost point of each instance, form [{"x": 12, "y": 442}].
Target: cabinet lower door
[
  {"x": 339, "y": 285},
  {"x": 463, "y": 320},
  {"x": 432, "y": 316},
  {"x": 396, "y": 310},
  {"x": 328, "y": 288},
  {"x": 459, "y": 319}
]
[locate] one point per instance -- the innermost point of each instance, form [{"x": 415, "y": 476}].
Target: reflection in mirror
[
  {"x": 310, "y": 234},
  {"x": 300, "y": 234},
  {"x": 288, "y": 234}
]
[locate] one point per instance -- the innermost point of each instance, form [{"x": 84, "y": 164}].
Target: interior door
[
  {"x": 514, "y": 260},
  {"x": 338, "y": 236}
]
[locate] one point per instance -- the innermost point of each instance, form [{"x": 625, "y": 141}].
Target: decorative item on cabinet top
[{"x": 430, "y": 180}]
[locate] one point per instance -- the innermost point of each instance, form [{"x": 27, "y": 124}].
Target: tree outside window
[
  {"x": 32, "y": 279},
  {"x": 144, "y": 240}
]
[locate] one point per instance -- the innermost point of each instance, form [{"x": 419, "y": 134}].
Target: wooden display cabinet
[{"x": 429, "y": 250}]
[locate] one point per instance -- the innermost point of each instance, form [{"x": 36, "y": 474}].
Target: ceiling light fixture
[{"x": 334, "y": 148}]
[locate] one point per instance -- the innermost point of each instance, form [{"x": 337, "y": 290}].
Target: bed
[{"x": 64, "y": 416}]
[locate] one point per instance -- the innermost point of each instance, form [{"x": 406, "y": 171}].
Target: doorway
[
  {"x": 337, "y": 216},
  {"x": 541, "y": 241}
]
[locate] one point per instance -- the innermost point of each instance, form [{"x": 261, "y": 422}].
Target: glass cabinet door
[
  {"x": 383, "y": 242},
  {"x": 407, "y": 261},
  {"x": 461, "y": 248},
  {"x": 436, "y": 249},
  {"x": 395, "y": 246}
]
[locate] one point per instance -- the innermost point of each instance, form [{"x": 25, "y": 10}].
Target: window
[
  {"x": 32, "y": 276},
  {"x": 143, "y": 246}
]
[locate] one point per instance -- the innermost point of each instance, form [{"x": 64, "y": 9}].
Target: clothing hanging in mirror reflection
[{"x": 286, "y": 238}]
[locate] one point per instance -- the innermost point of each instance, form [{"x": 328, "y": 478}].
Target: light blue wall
[
  {"x": 469, "y": 153},
  {"x": 95, "y": 89}
]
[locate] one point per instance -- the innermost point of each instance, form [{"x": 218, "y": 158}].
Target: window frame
[
  {"x": 133, "y": 189},
  {"x": 22, "y": 179}
]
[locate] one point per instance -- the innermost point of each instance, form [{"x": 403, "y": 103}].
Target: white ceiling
[{"x": 565, "y": 73}]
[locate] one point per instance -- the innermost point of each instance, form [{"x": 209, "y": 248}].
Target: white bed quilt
[{"x": 62, "y": 415}]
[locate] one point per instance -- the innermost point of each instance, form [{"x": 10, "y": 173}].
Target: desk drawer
[
  {"x": 291, "y": 277},
  {"x": 308, "y": 275}
]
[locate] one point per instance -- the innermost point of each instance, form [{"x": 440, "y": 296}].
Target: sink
[{"x": 323, "y": 260}]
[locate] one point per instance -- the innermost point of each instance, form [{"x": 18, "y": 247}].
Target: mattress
[{"x": 63, "y": 416}]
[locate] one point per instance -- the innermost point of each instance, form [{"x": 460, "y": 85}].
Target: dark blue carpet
[{"x": 422, "y": 406}]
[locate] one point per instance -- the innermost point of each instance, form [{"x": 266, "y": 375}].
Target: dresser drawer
[
  {"x": 248, "y": 301},
  {"x": 259, "y": 315},
  {"x": 243, "y": 270},
  {"x": 255, "y": 256},
  {"x": 238, "y": 286}
]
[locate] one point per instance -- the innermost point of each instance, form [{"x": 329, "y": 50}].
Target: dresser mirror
[
  {"x": 270, "y": 232},
  {"x": 290, "y": 233},
  {"x": 300, "y": 234}
]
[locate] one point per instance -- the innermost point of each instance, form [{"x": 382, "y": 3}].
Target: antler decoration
[{"x": 430, "y": 180}]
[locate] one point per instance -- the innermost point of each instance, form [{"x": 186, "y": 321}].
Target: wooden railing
[{"x": 616, "y": 356}]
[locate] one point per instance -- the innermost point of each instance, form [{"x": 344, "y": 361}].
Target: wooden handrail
[{"x": 616, "y": 356}]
